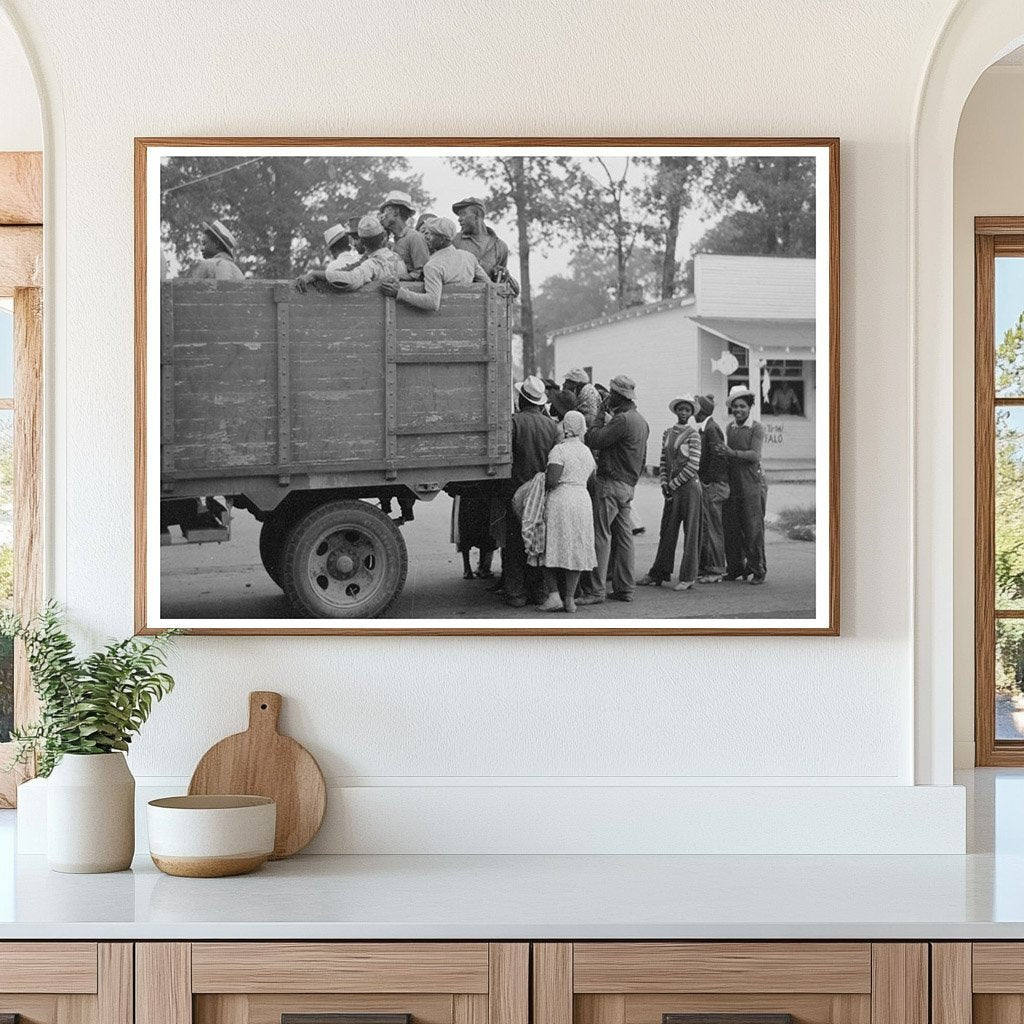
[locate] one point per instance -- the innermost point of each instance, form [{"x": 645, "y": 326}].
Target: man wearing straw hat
[
  {"x": 621, "y": 448},
  {"x": 218, "y": 262},
  {"x": 680, "y": 484},
  {"x": 343, "y": 257},
  {"x": 533, "y": 437},
  {"x": 395, "y": 213}
]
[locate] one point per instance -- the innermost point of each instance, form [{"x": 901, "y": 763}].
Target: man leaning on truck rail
[
  {"x": 447, "y": 265},
  {"x": 341, "y": 248},
  {"x": 476, "y": 237},
  {"x": 395, "y": 213},
  {"x": 380, "y": 262}
]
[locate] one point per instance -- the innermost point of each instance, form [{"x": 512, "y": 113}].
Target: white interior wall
[
  {"x": 439, "y": 715},
  {"x": 987, "y": 182}
]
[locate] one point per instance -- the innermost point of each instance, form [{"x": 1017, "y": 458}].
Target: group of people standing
[
  {"x": 564, "y": 519},
  {"x": 715, "y": 494}
]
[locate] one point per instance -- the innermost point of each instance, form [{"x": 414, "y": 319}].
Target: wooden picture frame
[{"x": 155, "y": 416}]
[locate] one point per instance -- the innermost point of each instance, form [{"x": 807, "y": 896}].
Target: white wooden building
[{"x": 751, "y": 320}]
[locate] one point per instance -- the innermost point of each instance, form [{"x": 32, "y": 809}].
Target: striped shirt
[{"x": 680, "y": 455}]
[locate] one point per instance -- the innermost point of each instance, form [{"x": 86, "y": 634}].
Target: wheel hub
[{"x": 341, "y": 565}]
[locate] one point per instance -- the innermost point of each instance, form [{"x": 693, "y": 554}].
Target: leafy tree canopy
[{"x": 277, "y": 207}]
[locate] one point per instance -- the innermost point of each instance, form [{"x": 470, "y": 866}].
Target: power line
[{"x": 195, "y": 181}]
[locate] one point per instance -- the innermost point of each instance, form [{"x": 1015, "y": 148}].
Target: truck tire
[
  {"x": 344, "y": 560},
  {"x": 273, "y": 535}
]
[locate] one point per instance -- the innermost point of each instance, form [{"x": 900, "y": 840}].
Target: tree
[
  {"x": 587, "y": 292},
  {"x": 277, "y": 207},
  {"x": 1009, "y": 471},
  {"x": 668, "y": 192},
  {"x": 769, "y": 203},
  {"x": 608, "y": 222},
  {"x": 533, "y": 191}
]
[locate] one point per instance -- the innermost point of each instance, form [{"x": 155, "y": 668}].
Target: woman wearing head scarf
[
  {"x": 743, "y": 512},
  {"x": 569, "y": 519}
]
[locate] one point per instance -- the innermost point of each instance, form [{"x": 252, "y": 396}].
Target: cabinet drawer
[
  {"x": 332, "y": 983},
  {"x": 730, "y": 983},
  {"x": 65, "y": 967},
  {"x": 66, "y": 982}
]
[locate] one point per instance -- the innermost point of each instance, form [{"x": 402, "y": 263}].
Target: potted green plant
[{"x": 89, "y": 710}]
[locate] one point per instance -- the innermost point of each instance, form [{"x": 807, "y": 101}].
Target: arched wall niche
[{"x": 976, "y": 34}]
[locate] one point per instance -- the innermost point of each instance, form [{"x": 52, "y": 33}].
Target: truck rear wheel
[
  {"x": 273, "y": 534},
  {"x": 344, "y": 560}
]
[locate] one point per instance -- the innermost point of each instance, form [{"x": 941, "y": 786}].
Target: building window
[
  {"x": 782, "y": 384},
  {"x": 999, "y": 491}
]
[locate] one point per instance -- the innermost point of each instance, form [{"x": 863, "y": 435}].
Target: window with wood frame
[
  {"x": 999, "y": 490},
  {"x": 21, "y": 365}
]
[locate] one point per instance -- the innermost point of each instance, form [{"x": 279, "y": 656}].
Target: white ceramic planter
[{"x": 90, "y": 814}]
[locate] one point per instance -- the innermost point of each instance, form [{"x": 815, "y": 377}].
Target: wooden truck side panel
[{"x": 265, "y": 390}]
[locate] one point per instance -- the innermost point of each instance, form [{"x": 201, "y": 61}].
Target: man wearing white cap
[
  {"x": 447, "y": 265},
  {"x": 343, "y": 257},
  {"x": 218, "y": 262},
  {"x": 395, "y": 213},
  {"x": 379, "y": 263}
]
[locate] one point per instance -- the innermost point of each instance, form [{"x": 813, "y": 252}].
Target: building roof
[
  {"x": 760, "y": 333},
  {"x": 627, "y": 314}
]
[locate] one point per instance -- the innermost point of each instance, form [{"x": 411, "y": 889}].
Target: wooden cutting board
[{"x": 262, "y": 762}]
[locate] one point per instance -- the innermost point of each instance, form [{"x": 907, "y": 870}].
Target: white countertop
[
  {"x": 977, "y": 896},
  {"x": 516, "y": 897}
]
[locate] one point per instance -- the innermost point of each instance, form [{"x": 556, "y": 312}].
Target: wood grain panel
[
  {"x": 339, "y": 967},
  {"x": 805, "y": 1008},
  {"x": 899, "y": 993},
  {"x": 228, "y": 1009},
  {"x": 951, "y": 983},
  {"x": 21, "y": 259},
  {"x": 33, "y": 1009},
  {"x": 115, "y": 983},
  {"x": 21, "y": 188},
  {"x": 163, "y": 983},
  {"x": 76, "y": 1010},
  {"x": 469, "y": 1009},
  {"x": 552, "y": 983},
  {"x": 594, "y": 1009},
  {"x": 508, "y": 993},
  {"x": 998, "y": 1009},
  {"x": 998, "y": 967},
  {"x": 635, "y": 967},
  {"x": 267, "y": 1009},
  {"x": 65, "y": 967}
]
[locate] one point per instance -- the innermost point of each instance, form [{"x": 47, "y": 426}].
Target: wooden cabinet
[
  {"x": 308, "y": 982},
  {"x": 66, "y": 982},
  {"x": 978, "y": 983},
  {"x": 757, "y": 982}
]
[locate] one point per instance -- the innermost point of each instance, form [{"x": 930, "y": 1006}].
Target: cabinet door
[
  {"x": 332, "y": 983},
  {"x": 730, "y": 983},
  {"x": 981, "y": 982},
  {"x": 65, "y": 983}
]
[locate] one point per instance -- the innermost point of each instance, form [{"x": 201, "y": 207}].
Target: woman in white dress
[{"x": 569, "y": 518}]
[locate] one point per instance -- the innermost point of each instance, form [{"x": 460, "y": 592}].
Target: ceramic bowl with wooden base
[{"x": 211, "y": 836}]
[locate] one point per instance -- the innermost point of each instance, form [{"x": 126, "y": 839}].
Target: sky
[{"x": 1009, "y": 292}]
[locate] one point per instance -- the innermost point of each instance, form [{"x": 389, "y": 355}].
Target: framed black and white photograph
[{"x": 444, "y": 386}]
